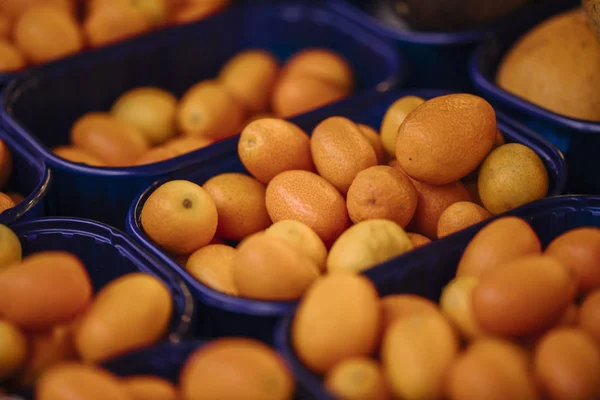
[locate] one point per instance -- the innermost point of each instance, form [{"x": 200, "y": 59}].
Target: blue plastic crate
[
  {"x": 226, "y": 315},
  {"x": 427, "y": 270},
  {"x": 107, "y": 254},
  {"x": 578, "y": 139},
  {"x": 438, "y": 59},
  {"x": 40, "y": 108},
  {"x": 30, "y": 178}
]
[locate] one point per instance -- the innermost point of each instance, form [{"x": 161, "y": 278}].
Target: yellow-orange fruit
[
  {"x": 129, "y": 313},
  {"x": 503, "y": 240},
  {"x": 321, "y": 64},
  {"x": 336, "y": 303},
  {"x": 77, "y": 155},
  {"x": 6, "y": 164},
  {"x": 5, "y": 202},
  {"x": 579, "y": 250},
  {"x": 375, "y": 140},
  {"x": 456, "y": 305},
  {"x": 155, "y": 155},
  {"x": 366, "y": 244},
  {"x": 382, "y": 192},
  {"x": 416, "y": 352},
  {"x": 208, "y": 110},
  {"x": 213, "y": 266},
  {"x": 357, "y": 379},
  {"x": 446, "y": 138},
  {"x": 589, "y": 315},
  {"x": 567, "y": 364},
  {"x": 45, "y": 33},
  {"x": 431, "y": 203},
  {"x": 250, "y": 77},
  {"x": 418, "y": 240},
  {"x": 297, "y": 94},
  {"x": 340, "y": 151},
  {"x": 11, "y": 249},
  {"x": 13, "y": 349},
  {"x": 268, "y": 268},
  {"x": 308, "y": 198},
  {"x": 236, "y": 368},
  {"x": 78, "y": 381},
  {"x": 538, "y": 286},
  {"x": 393, "y": 119},
  {"x": 459, "y": 216},
  {"x": 115, "y": 142},
  {"x": 240, "y": 201},
  {"x": 396, "y": 306},
  {"x": 552, "y": 65},
  {"x": 151, "y": 109},
  {"x": 270, "y": 146},
  {"x": 180, "y": 216},
  {"x": 491, "y": 369},
  {"x": 45, "y": 289},
  {"x": 11, "y": 58},
  {"x": 510, "y": 176},
  {"x": 113, "y": 23},
  {"x": 149, "y": 388},
  {"x": 303, "y": 238}
]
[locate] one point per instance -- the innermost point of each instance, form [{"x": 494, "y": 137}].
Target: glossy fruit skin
[
  {"x": 340, "y": 151},
  {"x": 416, "y": 352},
  {"x": 270, "y": 146},
  {"x": 267, "y": 268},
  {"x": 129, "y": 313},
  {"x": 523, "y": 297},
  {"x": 321, "y": 307},
  {"x": 446, "y": 138},
  {"x": 235, "y": 368},
  {"x": 45, "y": 289},
  {"x": 502, "y": 240},
  {"x": 323, "y": 207}
]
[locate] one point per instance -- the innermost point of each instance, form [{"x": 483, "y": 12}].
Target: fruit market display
[
  {"x": 50, "y": 313},
  {"x": 328, "y": 202},
  {"x": 516, "y": 322},
  {"x": 33, "y": 32},
  {"x": 312, "y": 218},
  {"x": 147, "y": 124}
]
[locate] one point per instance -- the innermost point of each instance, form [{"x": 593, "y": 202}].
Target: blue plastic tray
[
  {"x": 438, "y": 59},
  {"x": 226, "y": 315},
  {"x": 30, "y": 178},
  {"x": 107, "y": 255},
  {"x": 40, "y": 108},
  {"x": 426, "y": 271},
  {"x": 579, "y": 140}
]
